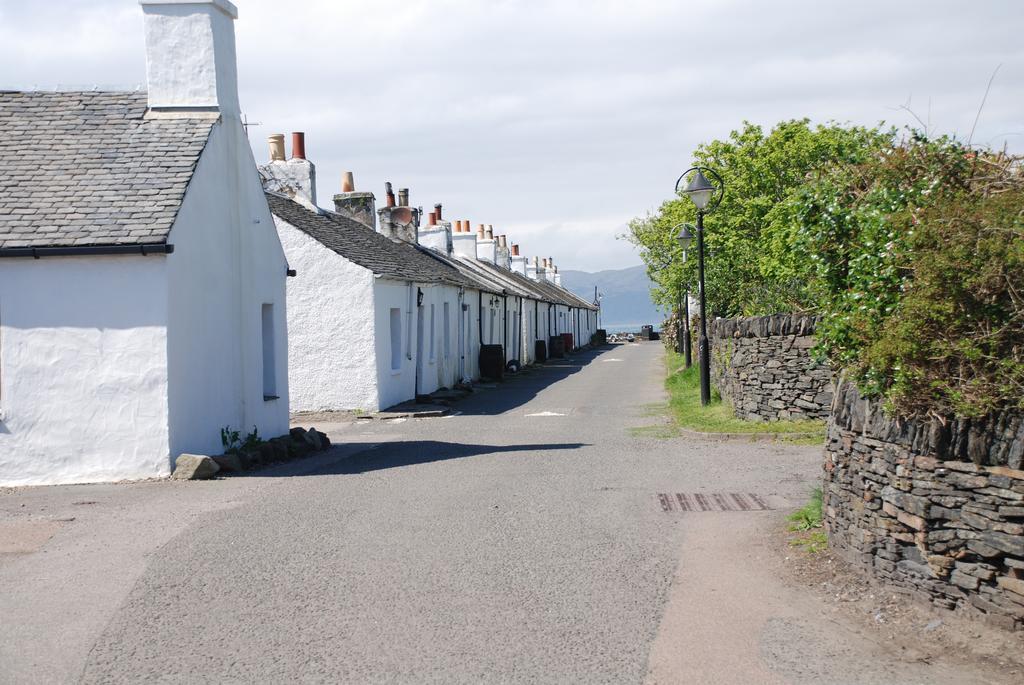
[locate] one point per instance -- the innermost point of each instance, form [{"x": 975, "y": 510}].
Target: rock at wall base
[{"x": 194, "y": 467}]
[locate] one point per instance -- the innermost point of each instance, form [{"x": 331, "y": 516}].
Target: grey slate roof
[
  {"x": 544, "y": 291},
  {"x": 480, "y": 281},
  {"x": 580, "y": 301},
  {"x": 88, "y": 169},
  {"x": 500, "y": 279},
  {"x": 364, "y": 246}
]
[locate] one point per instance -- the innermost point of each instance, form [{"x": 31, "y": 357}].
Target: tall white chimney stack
[{"x": 190, "y": 55}]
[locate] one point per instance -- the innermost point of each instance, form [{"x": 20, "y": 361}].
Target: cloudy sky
[{"x": 556, "y": 120}]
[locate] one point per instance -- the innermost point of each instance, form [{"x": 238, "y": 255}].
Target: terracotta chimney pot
[
  {"x": 480, "y": 232},
  {"x": 348, "y": 182},
  {"x": 276, "y": 142},
  {"x": 389, "y": 193},
  {"x": 502, "y": 241},
  {"x": 437, "y": 211},
  {"x": 432, "y": 219},
  {"x": 515, "y": 250},
  {"x": 298, "y": 145}
]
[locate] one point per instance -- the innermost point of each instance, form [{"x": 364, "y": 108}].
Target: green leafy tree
[{"x": 749, "y": 265}]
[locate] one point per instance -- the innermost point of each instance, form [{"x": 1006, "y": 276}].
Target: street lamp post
[
  {"x": 679, "y": 323},
  {"x": 706, "y": 198},
  {"x": 687, "y": 344},
  {"x": 683, "y": 344}
]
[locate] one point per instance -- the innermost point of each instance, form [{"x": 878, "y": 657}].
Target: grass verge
[
  {"x": 661, "y": 431},
  {"x": 683, "y": 387}
]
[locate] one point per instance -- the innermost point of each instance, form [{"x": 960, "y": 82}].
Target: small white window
[
  {"x": 269, "y": 356},
  {"x": 396, "y": 339},
  {"x": 433, "y": 356},
  {"x": 446, "y": 322}
]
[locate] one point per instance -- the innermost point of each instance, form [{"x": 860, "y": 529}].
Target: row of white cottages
[
  {"x": 405, "y": 304},
  {"x": 155, "y": 287}
]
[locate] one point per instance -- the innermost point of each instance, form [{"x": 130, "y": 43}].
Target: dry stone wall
[
  {"x": 935, "y": 508},
  {"x": 763, "y": 366}
]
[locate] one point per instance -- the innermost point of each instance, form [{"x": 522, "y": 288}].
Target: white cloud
[{"x": 556, "y": 120}]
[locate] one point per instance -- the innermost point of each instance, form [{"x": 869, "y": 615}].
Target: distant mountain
[{"x": 627, "y": 296}]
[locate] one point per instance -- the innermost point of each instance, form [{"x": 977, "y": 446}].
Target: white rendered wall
[
  {"x": 442, "y": 370},
  {"x": 395, "y": 386},
  {"x": 227, "y": 263},
  {"x": 83, "y": 369},
  {"x": 562, "y": 319},
  {"x": 529, "y": 331},
  {"x": 490, "y": 312},
  {"x": 513, "y": 340},
  {"x": 332, "y": 359},
  {"x": 471, "y": 338}
]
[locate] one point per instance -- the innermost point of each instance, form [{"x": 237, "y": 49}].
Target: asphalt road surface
[{"x": 521, "y": 540}]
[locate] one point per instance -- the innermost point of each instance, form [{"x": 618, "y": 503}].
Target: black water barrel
[
  {"x": 492, "y": 362},
  {"x": 540, "y": 351},
  {"x": 556, "y": 347}
]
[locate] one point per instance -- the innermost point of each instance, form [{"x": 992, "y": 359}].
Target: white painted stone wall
[
  {"x": 112, "y": 366},
  {"x": 561, "y": 319},
  {"x": 443, "y": 366},
  {"x": 534, "y": 328},
  {"x": 470, "y": 335},
  {"x": 332, "y": 356},
  {"x": 146, "y": 358},
  {"x": 83, "y": 369},
  {"x": 227, "y": 263},
  {"x": 490, "y": 334},
  {"x": 513, "y": 330},
  {"x": 395, "y": 385}
]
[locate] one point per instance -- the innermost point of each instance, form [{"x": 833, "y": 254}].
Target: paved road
[{"x": 521, "y": 540}]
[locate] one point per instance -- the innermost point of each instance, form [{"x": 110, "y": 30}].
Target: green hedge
[{"x": 915, "y": 259}]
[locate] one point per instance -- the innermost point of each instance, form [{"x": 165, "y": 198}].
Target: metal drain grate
[{"x": 712, "y": 501}]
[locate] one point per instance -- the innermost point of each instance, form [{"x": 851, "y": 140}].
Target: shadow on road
[
  {"x": 517, "y": 390},
  {"x": 393, "y": 455}
]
